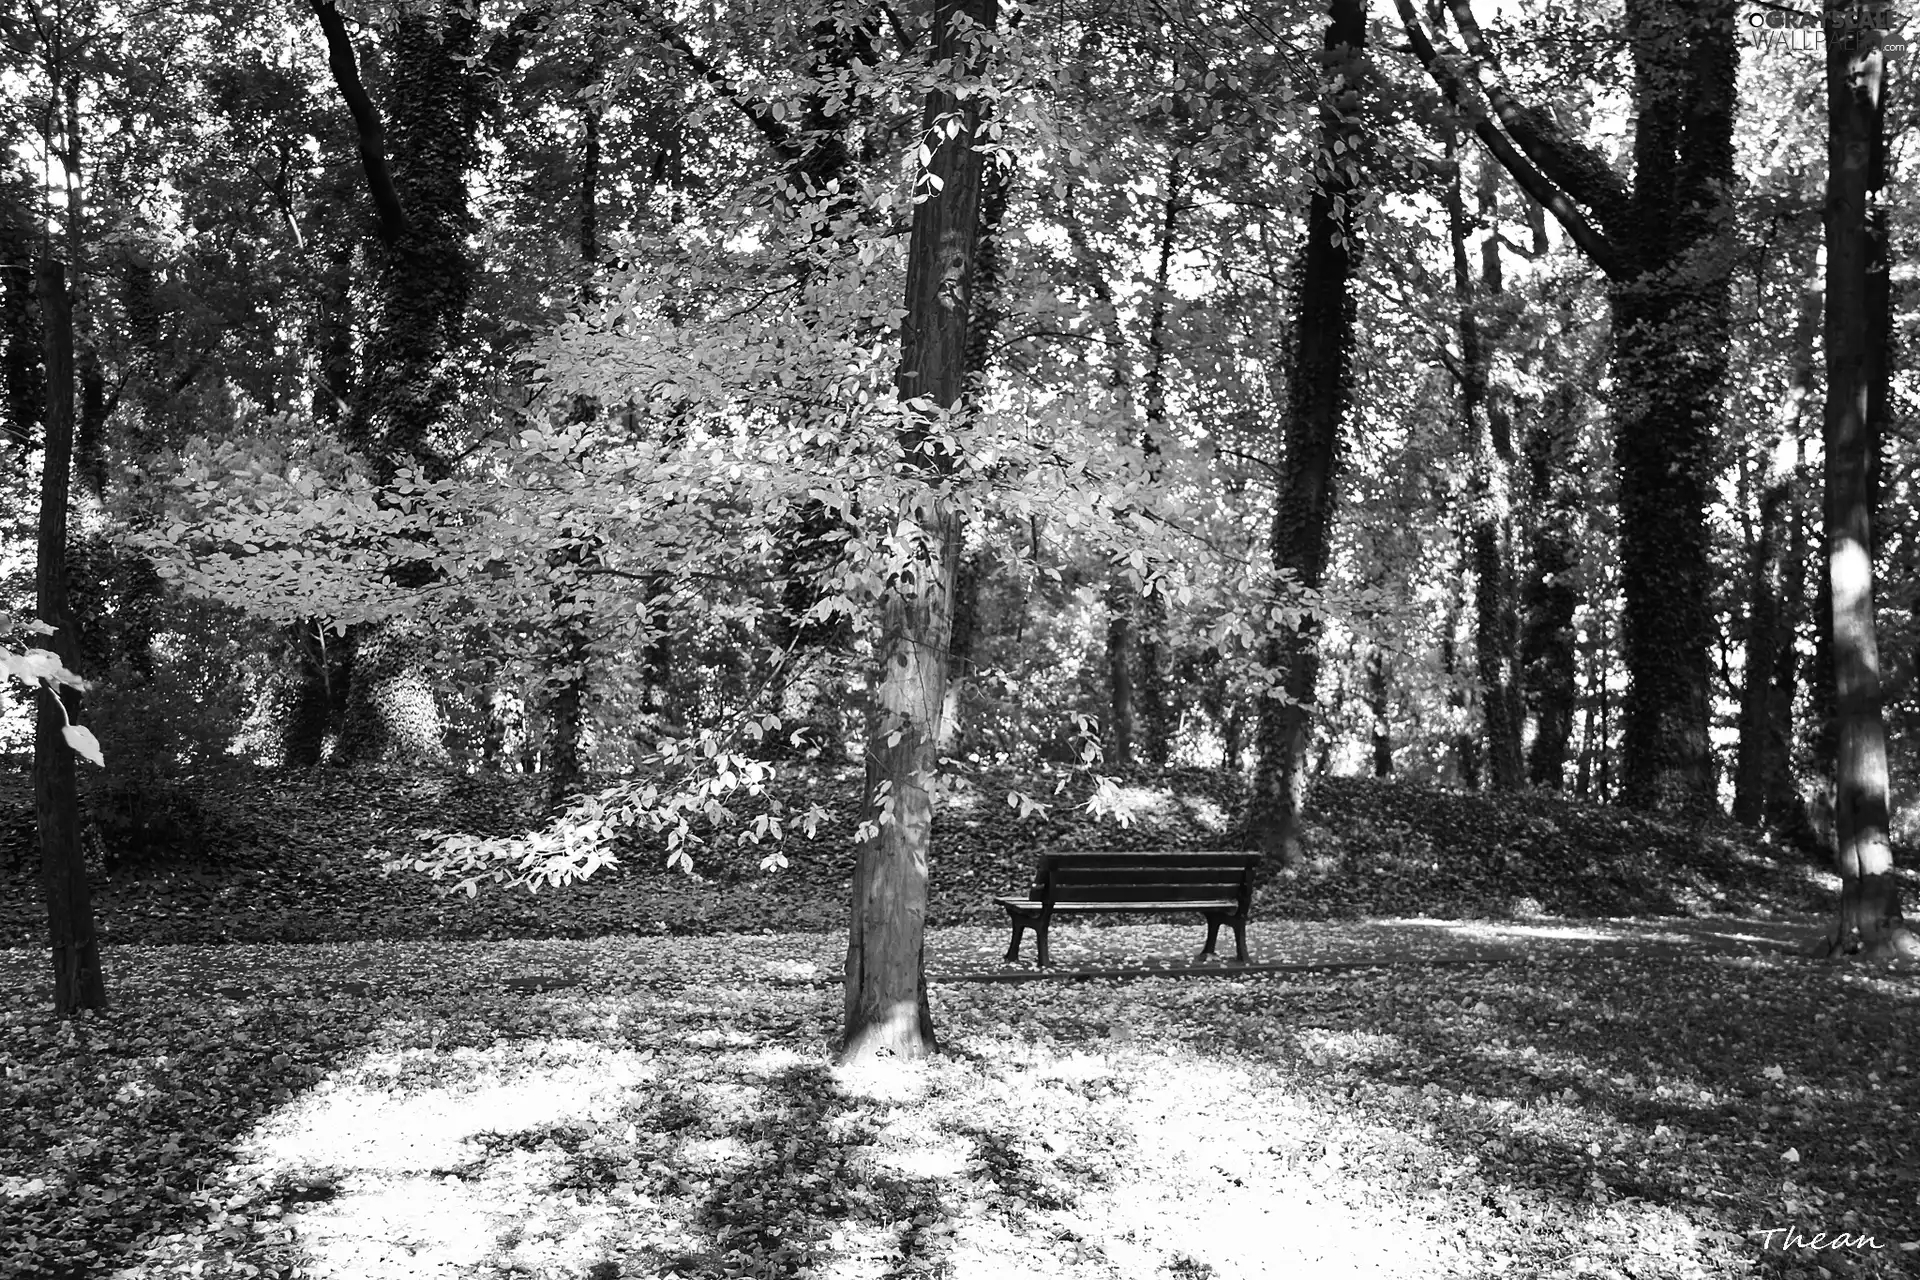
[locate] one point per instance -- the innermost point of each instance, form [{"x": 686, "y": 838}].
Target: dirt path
[
  {"x": 971, "y": 954},
  {"x": 1080, "y": 949}
]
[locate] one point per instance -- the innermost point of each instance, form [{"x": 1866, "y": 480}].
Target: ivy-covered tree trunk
[
  {"x": 1869, "y": 918},
  {"x": 77, "y": 979},
  {"x": 1548, "y": 661},
  {"x": 887, "y": 1014},
  {"x": 401, "y": 406},
  {"x": 1319, "y": 391},
  {"x": 1669, "y": 327}
]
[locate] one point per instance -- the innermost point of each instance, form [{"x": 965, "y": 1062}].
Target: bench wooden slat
[
  {"x": 1178, "y": 858},
  {"x": 1133, "y": 892},
  {"x": 1143, "y": 904},
  {"x": 1145, "y": 875}
]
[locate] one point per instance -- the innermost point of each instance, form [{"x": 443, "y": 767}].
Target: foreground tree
[
  {"x": 886, "y": 991},
  {"x": 77, "y": 980},
  {"x": 1320, "y": 389},
  {"x": 1869, "y": 918}
]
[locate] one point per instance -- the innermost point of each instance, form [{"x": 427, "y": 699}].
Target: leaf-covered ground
[
  {"x": 447, "y": 1088},
  {"x": 285, "y": 860},
  {"x": 655, "y": 1107}
]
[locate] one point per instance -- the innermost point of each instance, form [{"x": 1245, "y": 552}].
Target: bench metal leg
[
  {"x": 1240, "y": 939},
  {"x": 1213, "y": 936},
  {"x": 1040, "y": 937},
  {"x": 1013, "y": 948}
]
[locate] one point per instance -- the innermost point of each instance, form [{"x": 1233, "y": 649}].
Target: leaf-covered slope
[{"x": 285, "y": 860}]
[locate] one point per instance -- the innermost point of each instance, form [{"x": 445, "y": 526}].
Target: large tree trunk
[
  {"x": 887, "y": 1014},
  {"x": 1319, "y": 393},
  {"x": 1869, "y": 918},
  {"x": 1669, "y": 310},
  {"x": 1549, "y": 664},
  {"x": 77, "y": 980}
]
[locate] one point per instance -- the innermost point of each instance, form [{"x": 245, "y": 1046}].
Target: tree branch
[
  {"x": 366, "y": 119},
  {"x": 1579, "y": 170},
  {"x": 1595, "y": 245},
  {"x": 776, "y": 132}
]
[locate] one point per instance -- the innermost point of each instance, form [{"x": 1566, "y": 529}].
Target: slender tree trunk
[
  {"x": 1119, "y": 744},
  {"x": 1378, "y": 706},
  {"x": 22, "y": 339},
  {"x": 1549, "y": 663},
  {"x": 77, "y": 979},
  {"x": 1157, "y": 717},
  {"x": 1464, "y": 744},
  {"x": 1760, "y": 763},
  {"x": 887, "y": 1014},
  {"x": 568, "y": 676},
  {"x": 1869, "y": 918},
  {"x": 1786, "y": 803},
  {"x": 1319, "y": 395},
  {"x": 1489, "y": 446},
  {"x": 567, "y": 680}
]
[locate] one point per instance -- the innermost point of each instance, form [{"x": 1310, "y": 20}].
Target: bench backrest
[{"x": 1144, "y": 877}]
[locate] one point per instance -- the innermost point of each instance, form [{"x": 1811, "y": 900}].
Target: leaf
[{"x": 81, "y": 739}]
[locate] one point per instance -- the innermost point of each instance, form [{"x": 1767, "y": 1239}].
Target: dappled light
[{"x": 1404, "y": 1121}]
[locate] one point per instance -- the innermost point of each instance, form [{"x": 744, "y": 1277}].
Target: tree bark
[
  {"x": 1869, "y": 918},
  {"x": 1378, "y": 706},
  {"x": 1319, "y": 396},
  {"x": 1157, "y": 717},
  {"x": 22, "y": 337},
  {"x": 1489, "y": 447},
  {"x": 1761, "y": 771},
  {"x": 77, "y": 979},
  {"x": 887, "y": 1013},
  {"x": 1120, "y": 596},
  {"x": 1548, "y": 661}
]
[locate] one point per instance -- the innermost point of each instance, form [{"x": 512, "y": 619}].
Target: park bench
[{"x": 1217, "y": 885}]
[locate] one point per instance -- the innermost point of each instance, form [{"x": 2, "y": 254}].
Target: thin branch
[
  {"x": 776, "y": 132},
  {"x": 366, "y": 119},
  {"x": 900, "y": 31}
]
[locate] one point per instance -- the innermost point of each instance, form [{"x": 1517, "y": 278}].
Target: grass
[{"x": 446, "y": 1106}]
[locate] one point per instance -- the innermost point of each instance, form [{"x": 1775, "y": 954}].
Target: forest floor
[{"x": 1425, "y": 1074}]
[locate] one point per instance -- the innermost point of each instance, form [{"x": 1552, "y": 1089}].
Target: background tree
[
  {"x": 1319, "y": 394},
  {"x": 1659, "y": 243}
]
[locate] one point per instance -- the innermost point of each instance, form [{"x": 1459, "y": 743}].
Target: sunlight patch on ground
[
  {"x": 1322, "y": 1046},
  {"x": 1493, "y": 931},
  {"x": 420, "y": 1158}
]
